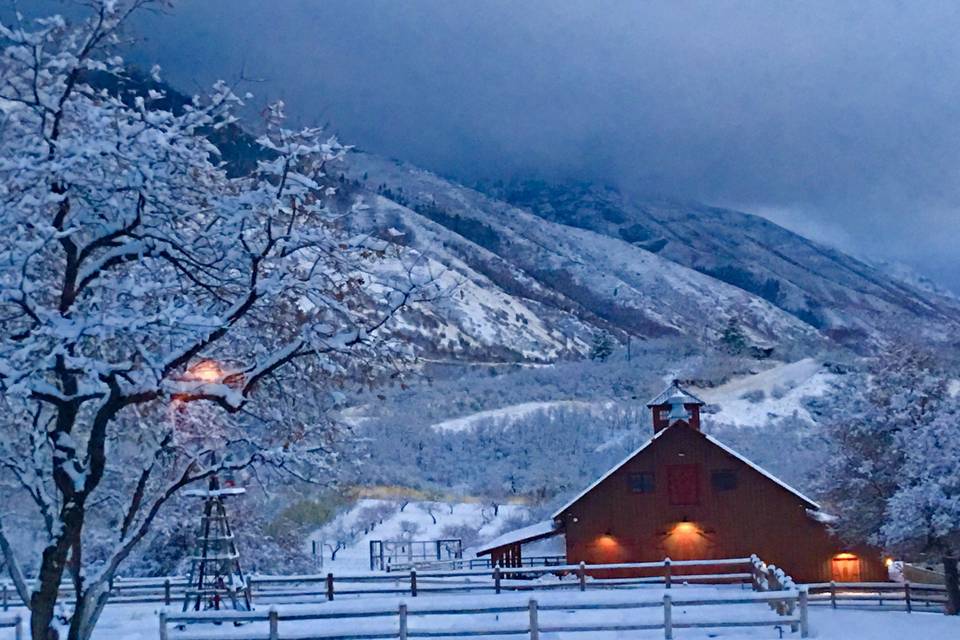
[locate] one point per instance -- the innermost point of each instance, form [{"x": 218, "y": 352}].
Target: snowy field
[{"x": 140, "y": 622}]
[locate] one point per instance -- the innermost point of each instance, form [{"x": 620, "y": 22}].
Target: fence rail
[
  {"x": 908, "y": 596},
  {"x": 15, "y": 623},
  {"x": 310, "y": 587},
  {"x": 532, "y": 626}
]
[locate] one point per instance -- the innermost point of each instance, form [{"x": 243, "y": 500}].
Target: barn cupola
[{"x": 675, "y": 406}]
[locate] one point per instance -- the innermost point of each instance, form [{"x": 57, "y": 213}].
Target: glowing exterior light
[
  {"x": 845, "y": 556},
  {"x": 887, "y": 562},
  {"x": 205, "y": 371},
  {"x": 684, "y": 528}
]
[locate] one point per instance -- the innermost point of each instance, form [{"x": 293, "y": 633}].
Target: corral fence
[
  {"x": 905, "y": 596},
  {"x": 313, "y": 587},
  {"x": 477, "y": 563},
  {"x": 401, "y": 621},
  {"x": 15, "y": 623}
]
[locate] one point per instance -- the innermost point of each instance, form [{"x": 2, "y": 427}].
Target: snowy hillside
[{"x": 774, "y": 393}]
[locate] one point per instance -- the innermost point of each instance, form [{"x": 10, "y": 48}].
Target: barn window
[
  {"x": 642, "y": 482},
  {"x": 683, "y": 484},
  {"x": 723, "y": 480}
]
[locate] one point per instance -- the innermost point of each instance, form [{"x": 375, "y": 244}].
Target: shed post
[
  {"x": 666, "y": 572},
  {"x": 804, "y": 623},
  {"x": 413, "y": 582},
  {"x": 582, "y": 573},
  {"x": 906, "y": 597},
  {"x": 534, "y": 622},
  {"x": 667, "y": 618},
  {"x": 403, "y": 621},
  {"x": 274, "y": 619},
  {"x": 833, "y": 594},
  {"x": 496, "y": 579},
  {"x": 329, "y": 586}
]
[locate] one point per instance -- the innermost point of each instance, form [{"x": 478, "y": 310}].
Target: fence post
[
  {"x": 534, "y": 623},
  {"x": 274, "y": 624},
  {"x": 5, "y": 597},
  {"x": 666, "y": 572},
  {"x": 163, "y": 626},
  {"x": 582, "y": 572},
  {"x": 667, "y": 618},
  {"x": 804, "y": 623},
  {"x": 496, "y": 579},
  {"x": 906, "y": 597},
  {"x": 166, "y": 592},
  {"x": 403, "y": 621},
  {"x": 413, "y": 582},
  {"x": 329, "y": 586},
  {"x": 833, "y": 594},
  {"x": 18, "y": 630}
]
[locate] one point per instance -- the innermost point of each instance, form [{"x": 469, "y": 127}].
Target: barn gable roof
[
  {"x": 807, "y": 501},
  {"x": 675, "y": 390},
  {"x": 531, "y": 533}
]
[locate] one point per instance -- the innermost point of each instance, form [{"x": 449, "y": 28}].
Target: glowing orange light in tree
[{"x": 205, "y": 371}]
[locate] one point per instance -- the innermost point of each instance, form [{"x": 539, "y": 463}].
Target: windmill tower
[{"x": 215, "y": 576}]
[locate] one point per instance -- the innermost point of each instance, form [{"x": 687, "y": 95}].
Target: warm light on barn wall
[
  {"x": 845, "y": 556},
  {"x": 887, "y": 562},
  {"x": 684, "y": 528}
]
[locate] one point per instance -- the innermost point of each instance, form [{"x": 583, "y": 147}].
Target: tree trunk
[
  {"x": 88, "y": 611},
  {"x": 953, "y": 584},
  {"x": 43, "y": 601}
]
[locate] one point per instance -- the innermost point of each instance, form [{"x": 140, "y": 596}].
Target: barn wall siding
[{"x": 612, "y": 523}]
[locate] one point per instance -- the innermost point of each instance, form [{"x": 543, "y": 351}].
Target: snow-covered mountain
[{"x": 543, "y": 273}]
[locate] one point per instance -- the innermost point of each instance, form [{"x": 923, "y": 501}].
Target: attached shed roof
[
  {"x": 538, "y": 531},
  {"x": 808, "y": 502},
  {"x": 675, "y": 390}
]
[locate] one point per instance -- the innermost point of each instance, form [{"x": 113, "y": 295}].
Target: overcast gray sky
[{"x": 838, "y": 119}]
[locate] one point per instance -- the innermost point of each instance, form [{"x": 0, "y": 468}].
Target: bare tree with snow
[{"x": 145, "y": 294}]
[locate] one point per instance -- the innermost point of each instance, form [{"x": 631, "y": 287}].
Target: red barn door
[{"x": 845, "y": 567}]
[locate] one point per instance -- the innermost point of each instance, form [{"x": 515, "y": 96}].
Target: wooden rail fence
[
  {"x": 168, "y": 591},
  {"x": 533, "y": 626},
  {"x": 15, "y": 623},
  {"x": 908, "y": 596}
]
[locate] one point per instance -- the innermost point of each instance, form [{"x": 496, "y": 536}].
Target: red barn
[{"x": 685, "y": 495}]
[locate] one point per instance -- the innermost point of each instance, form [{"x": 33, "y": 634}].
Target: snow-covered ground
[
  {"x": 416, "y": 516},
  {"x": 508, "y": 414},
  {"x": 139, "y": 622},
  {"x": 778, "y": 392}
]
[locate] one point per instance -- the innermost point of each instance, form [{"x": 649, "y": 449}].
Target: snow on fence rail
[
  {"x": 532, "y": 625},
  {"x": 500, "y": 579},
  {"x": 15, "y": 623},
  {"x": 892, "y": 595}
]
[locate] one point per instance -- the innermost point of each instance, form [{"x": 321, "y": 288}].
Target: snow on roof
[
  {"x": 763, "y": 471},
  {"x": 675, "y": 390},
  {"x": 608, "y": 473},
  {"x": 539, "y": 530},
  {"x": 822, "y": 516},
  {"x": 711, "y": 439}
]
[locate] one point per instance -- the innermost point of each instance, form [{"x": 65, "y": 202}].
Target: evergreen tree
[{"x": 602, "y": 347}]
